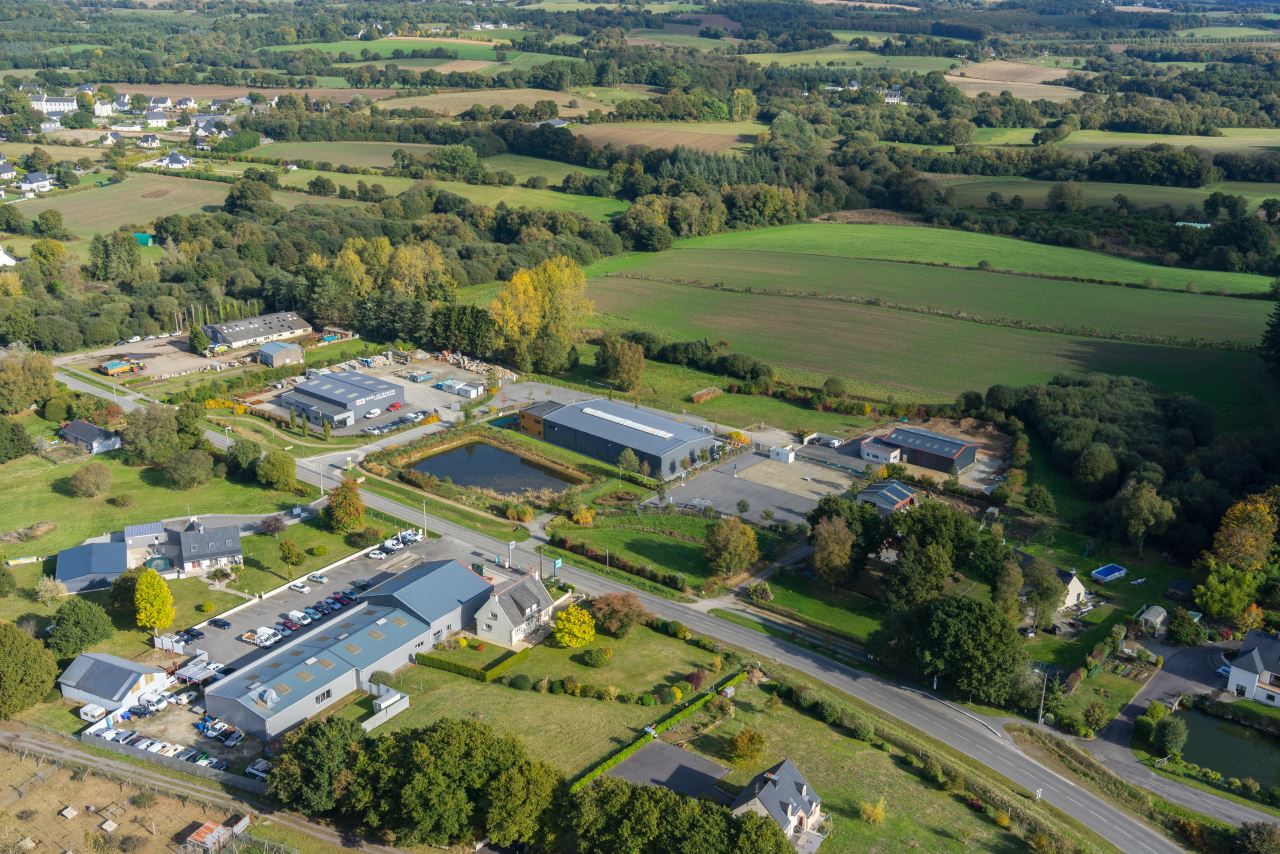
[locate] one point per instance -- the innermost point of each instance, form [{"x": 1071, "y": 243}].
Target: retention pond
[
  {"x": 485, "y": 466},
  {"x": 1231, "y": 749}
]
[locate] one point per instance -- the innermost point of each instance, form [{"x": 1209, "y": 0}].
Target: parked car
[
  {"x": 377, "y": 554},
  {"x": 1224, "y": 671},
  {"x": 140, "y": 712},
  {"x": 371, "y": 430},
  {"x": 300, "y": 618},
  {"x": 186, "y": 754},
  {"x": 392, "y": 545},
  {"x": 318, "y": 578},
  {"x": 1027, "y": 631},
  {"x": 283, "y": 630},
  {"x": 362, "y": 584},
  {"x": 143, "y": 743},
  {"x": 185, "y": 697},
  {"x": 373, "y": 413},
  {"x": 291, "y": 625},
  {"x": 334, "y": 604},
  {"x": 154, "y": 702},
  {"x": 135, "y": 339},
  {"x": 415, "y": 417},
  {"x": 234, "y": 739},
  {"x": 219, "y": 623},
  {"x": 299, "y": 587},
  {"x": 323, "y": 608},
  {"x": 312, "y": 613},
  {"x": 195, "y": 634},
  {"x": 410, "y": 536},
  {"x": 212, "y": 730},
  {"x": 218, "y": 765},
  {"x": 343, "y": 598},
  {"x": 157, "y": 746}
]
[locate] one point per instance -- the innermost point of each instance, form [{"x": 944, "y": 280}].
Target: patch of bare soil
[
  {"x": 868, "y": 216},
  {"x": 31, "y": 532}
]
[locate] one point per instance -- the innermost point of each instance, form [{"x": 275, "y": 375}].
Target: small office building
[
  {"x": 603, "y": 429},
  {"x": 251, "y": 331},
  {"x": 340, "y": 398}
]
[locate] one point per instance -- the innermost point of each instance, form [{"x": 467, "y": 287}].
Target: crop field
[
  {"x": 14, "y": 150},
  {"x": 681, "y": 37},
  {"x": 1226, "y": 33},
  {"x": 925, "y": 358},
  {"x": 138, "y": 200},
  {"x": 963, "y": 249},
  {"x": 1028, "y": 91},
  {"x": 1044, "y": 302},
  {"x": 522, "y": 197},
  {"x": 973, "y": 191},
  {"x": 844, "y": 55},
  {"x": 569, "y": 103},
  {"x": 1232, "y": 139},
  {"x": 704, "y": 136},
  {"x": 526, "y": 167},
  {"x": 1005, "y": 71},
  {"x": 370, "y": 154}
]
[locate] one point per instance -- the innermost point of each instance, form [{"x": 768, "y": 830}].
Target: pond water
[
  {"x": 482, "y": 465},
  {"x": 1231, "y": 749}
]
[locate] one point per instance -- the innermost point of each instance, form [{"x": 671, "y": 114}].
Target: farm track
[{"x": 20, "y": 741}]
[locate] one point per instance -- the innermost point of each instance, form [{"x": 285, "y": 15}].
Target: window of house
[
  {"x": 1271, "y": 698},
  {"x": 419, "y": 644},
  {"x": 438, "y": 634},
  {"x": 493, "y": 615},
  {"x": 324, "y": 695},
  {"x": 488, "y": 627}
]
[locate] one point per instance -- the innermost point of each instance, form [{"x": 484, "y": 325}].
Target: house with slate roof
[
  {"x": 782, "y": 794},
  {"x": 108, "y": 680},
  {"x": 515, "y": 614},
  {"x": 201, "y": 549},
  {"x": 89, "y": 437},
  {"x": 1255, "y": 671},
  {"x": 889, "y": 496}
]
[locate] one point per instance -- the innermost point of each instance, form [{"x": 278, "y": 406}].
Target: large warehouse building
[
  {"x": 251, "y": 331},
  {"x": 927, "y": 449},
  {"x": 603, "y": 429},
  {"x": 340, "y": 398},
  {"x": 405, "y": 615}
]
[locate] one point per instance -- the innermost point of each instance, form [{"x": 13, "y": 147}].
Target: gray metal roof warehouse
[
  {"x": 340, "y": 397},
  {"x": 604, "y": 428},
  {"x": 257, "y": 330},
  {"x": 933, "y": 450}
]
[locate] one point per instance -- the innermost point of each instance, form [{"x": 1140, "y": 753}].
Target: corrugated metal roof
[
  {"x": 627, "y": 426},
  {"x": 928, "y": 441},
  {"x": 343, "y": 388},
  {"x": 431, "y": 590},
  {"x": 78, "y": 564},
  {"x": 146, "y": 529},
  {"x": 271, "y": 348},
  {"x": 106, "y": 676}
]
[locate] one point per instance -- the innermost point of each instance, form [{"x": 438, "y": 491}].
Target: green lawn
[
  {"x": 522, "y": 197},
  {"x": 841, "y": 611},
  {"x": 527, "y": 167},
  {"x": 1226, "y": 33},
  {"x": 973, "y": 191},
  {"x": 1113, "y": 690},
  {"x": 570, "y": 733},
  {"x": 843, "y": 55},
  {"x": 659, "y": 541},
  {"x": 1069, "y": 653},
  {"x": 138, "y": 200},
  {"x": 384, "y": 48},
  {"x": 413, "y": 498},
  {"x": 264, "y": 570},
  {"x": 1230, "y": 139},
  {"x": 36, "y": 491},
  {"x": 846, "y": 773}
]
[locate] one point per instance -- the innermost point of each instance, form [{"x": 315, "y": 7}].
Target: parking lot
[
  {"x": 225, "y": 645},
  {"x": 175, "y": 725},
  {"x": 731, "y": 482}
]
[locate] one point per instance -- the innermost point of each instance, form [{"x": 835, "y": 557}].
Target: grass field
[
  {"x": 571, "y": 733},
  {"x": 845, "y": 55},
  {"x": 1026, "y": 90},
  {"x": 454, "y": 102},
  {"x": 522, "y": 197},
  {"x": 1043, "y": 302},
  {"x": 370, "y": 154},
  {"x": 973, "y": 191},
  {"x": 846, "y": 773},
  {"x": 138, "y": 200},
  {"x": 72, "y": 153},
  {"x": 674, "y": 38},
  {"x": 1226, "y": 33},
  {"x": 704, "y": 136},
  {"x": 385, "y": 48},
  {"x": 1231, "y": 139},
  {"x": 36, "y": 491},
  {"x": 901, "y": 243},
  {"x": 483, "y": 523},
  {"x": 526, "y": 167},
  {"x": 264, "y": 570},
  {"x": 842, "y": 611}
]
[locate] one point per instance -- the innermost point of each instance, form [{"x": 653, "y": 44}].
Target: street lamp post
[
  {"x": 1043, "y": 688},
  {"x": 511, "y": 551}
]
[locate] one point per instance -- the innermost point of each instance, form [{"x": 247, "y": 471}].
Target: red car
[
  {"x": 290, "y": 625},
  {"x": 395, "y": 406}
]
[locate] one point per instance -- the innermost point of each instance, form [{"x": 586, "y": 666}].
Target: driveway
[
  {"x": 662, "y": 764},
  {"x": 722, "y": 488}
]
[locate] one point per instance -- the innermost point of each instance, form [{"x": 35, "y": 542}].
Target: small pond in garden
[
  {"x": 1231, "y": 749},
  {"x": 485, "y": 466}
]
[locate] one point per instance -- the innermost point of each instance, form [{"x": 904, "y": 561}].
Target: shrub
[
  {"x": 684, "y": 688},
  {"x": 207, "y": 606},
  {"x": 542, "y": 685},
  {"x": 746, "y": 745},
  {"x": 598, "y": 657},
  {"x": 556, "y": 686},
  {"x": 668, "y": 695},
  {"x": 571, "y": 686},
  {"x": 143, "y": 800},
  {"x": 521, "y": 682},
  {"x": 124, "y": 499},
  {"x": 697, "y": 679},
  {"x": 519, "y": 512},
  {"x": 707, "y": 644},
  {"x": 648, "y": 700},
  {"x": 462, "y": 643},
  {"x": 90, "y": 481},
  {"x": 1002, "y": 820},
  {"x": 318, "y": 551},
  {"x": 828, "y": 711},
  {"x": 872, "y": 813},
  {"x": 860, "y": 728}
]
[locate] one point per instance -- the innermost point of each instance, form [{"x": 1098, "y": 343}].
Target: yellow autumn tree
[
  {"x": 536, "y": 313},
  {"x": 349, "y": 271},
  {"x": 1246, "y": 535}
]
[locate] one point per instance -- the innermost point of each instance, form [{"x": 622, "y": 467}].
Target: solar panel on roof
[{"x": 627, "y": 422}]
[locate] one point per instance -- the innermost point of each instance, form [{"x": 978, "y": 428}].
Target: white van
[{"x": 300, "y": 618}]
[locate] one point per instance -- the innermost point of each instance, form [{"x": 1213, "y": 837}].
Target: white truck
[{"x": 261, "y": 636}]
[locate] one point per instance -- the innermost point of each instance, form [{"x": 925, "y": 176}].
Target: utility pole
[{"x": 1043, "y": 688}]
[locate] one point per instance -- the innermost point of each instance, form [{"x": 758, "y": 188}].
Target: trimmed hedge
[
  {"x": 426, "y": 659},
  {"x": 617, "y": 758}
]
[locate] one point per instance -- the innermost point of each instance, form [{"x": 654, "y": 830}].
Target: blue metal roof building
[
  {"x": 933, "y": 450},
  {"x": 275, "y": 354},
  {"x": 91, "y": 566},
  {"x": 603, "y": 429},
  {"x": 444, "y": 594}
]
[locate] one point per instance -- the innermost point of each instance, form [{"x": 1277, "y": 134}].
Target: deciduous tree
[
  {"x": 311, "y": 772},
  {"x": 616, "y": 613},
  {"x": 153, "y": 601},
  {"x": 1045, "y": 591},
  {"x": 573, "y": 627},
  {"x": 1143, "y": 511},
  {"x": 345, "y": 511},
  {"x": 27, "y": 670},
  {"x": 731, "y": 546},
  {"x": 1246, "y": 536},
  {"x": 278, "y": 470},
  {"x": 90, "y": 481},
  {"x": 151, "y": 436},
  {"x": 77, "y": 625},
  {"x": 832, "y": 550},
  {"x": 189, "y": 469}
]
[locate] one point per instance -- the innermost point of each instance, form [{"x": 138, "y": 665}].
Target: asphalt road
[{"x": 981, "y": 739}]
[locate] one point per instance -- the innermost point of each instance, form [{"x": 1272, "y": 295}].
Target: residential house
[
  {"x": 35, "y": 182},
  {"x": 104, "y": 109},
  {"x": 7, "y": 260},
  {"x": 156, "y": 119},
  {"x": 111, "y": 138},
  {"x": 51, "y": 123},
  {"x": 782, "y": 794},
  {"x": 175, "y": 160},
  {"x": 894, "y": 95},
  {"x": 53, "y": 104},
  {"x": 889, "y": 496},
  {"x": 1074, "y": 592},
  {"x": 185, "y": 104},
  {"x": 1255, "y": 671},
  {"x": 149, "y": 141},
  {"x": 121, "y": 104},
  {"x": 515, "y": 613},
  {"x": 7, "y": 171},
  {"x": 86, "y": 88},
  {"x": 159, "y": 102},
  {"x": 201, "y": 549},
  {"x": 89, "y": 437},
  {"x": 109, "y": 681},
  {"x": 91, "y": 566},
  {"x": 552, "y": 123}
]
